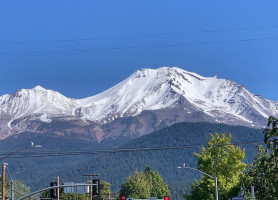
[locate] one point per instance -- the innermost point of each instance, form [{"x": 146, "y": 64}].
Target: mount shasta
[{"x": 148, "y": 100}]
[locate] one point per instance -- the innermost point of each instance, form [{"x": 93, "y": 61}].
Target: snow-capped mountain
[
  {"x": 149, "y": 89},
  {"x": 36, "y": 101},
  {"x": 147, "y": 100},
  {"x": 34, "y": 104}
]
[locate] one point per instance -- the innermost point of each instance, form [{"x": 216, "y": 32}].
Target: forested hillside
[
  {"x": 115, "y": 167},
  {"x": 33, "y": 169}
]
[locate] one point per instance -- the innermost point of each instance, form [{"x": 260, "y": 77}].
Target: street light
[
  {"x": 27, "y": 147},
  {"x": 4, "y": 165},
  {"x": 215, "y": 178}
]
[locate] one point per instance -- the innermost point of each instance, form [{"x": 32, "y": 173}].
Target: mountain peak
[
  {"x": 38, "y": 87},
  {"x": 154, "y": 89},
  {"x": 176, "y": 94},
  {"x": 165, "y": 72}
]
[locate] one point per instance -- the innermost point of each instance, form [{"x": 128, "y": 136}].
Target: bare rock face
[{"x": 146, "y": 101}]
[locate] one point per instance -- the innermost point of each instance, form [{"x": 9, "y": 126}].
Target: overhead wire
[
  {"x": 138, "y": 47},
  {"x": 132, "y": 47},
  {"x": 14, "y": 182},
  {"x": 109, "y": 151},
  {"x": 12, "y": 178},
  {"x": 139, "y": 36}
]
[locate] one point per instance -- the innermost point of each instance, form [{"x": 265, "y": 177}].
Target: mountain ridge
[{"x": 170, "y": 94}]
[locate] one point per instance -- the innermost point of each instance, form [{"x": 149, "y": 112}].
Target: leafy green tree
[
  {"x": 159, "y": 189},
  {"x": 143, "y": 185},
  {"x": 105, "y": 191},
  {"x": 263, "y": 172},
  {"x": 136, "y": 186},
  {"x": 19, "y": 188},
  {"x": 222, "y": 160},
  {"x": 45, "y": 194}
]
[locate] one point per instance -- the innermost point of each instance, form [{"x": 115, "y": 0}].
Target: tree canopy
[
  {"x": 105, "y": 191},
  {"x": 145, "y": 184},
  {"x": 222, "y": 160},
  {"x": 19, "y": 188},
  {"x": 263, "y": 172}
]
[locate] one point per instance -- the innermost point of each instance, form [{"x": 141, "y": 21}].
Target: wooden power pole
[
  {"x": 91, "y": 181},
  {"x": 58, "y": 190}
]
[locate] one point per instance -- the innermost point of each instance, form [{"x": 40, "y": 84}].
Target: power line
[
  {"x": 9, "y": 173},
  {"x": 109, "y": 151},
  {"x": 139, "y": 47},
  {"x": 13, "y": 182},
  {"x": 139, "y": 36}
]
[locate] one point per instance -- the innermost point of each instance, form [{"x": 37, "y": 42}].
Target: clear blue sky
[{"x": 81, "y": 48}]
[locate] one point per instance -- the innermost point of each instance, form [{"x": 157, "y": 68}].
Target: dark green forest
[
  {"x": 115, "y": 167},
  {"x": 35, "y": 171}
]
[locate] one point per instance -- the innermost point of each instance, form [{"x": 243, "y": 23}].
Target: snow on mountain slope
[
  {"x": 44, "y": 103},
  {"x": 150, "y": 89},
  {"x": 145, "y": 90}
]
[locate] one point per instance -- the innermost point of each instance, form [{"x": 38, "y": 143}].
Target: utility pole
[
  {"x": 216, "y": 188},
  {"x": 58, "y": 189},
  {"x": 91, "y": 188},
  {"x": 91, "y": 181},
  {"x": 3, "y": 182},
  {"x": 252, "y": 192},
  {"x": 12, "y": 190}
]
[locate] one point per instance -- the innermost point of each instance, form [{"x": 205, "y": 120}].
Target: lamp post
[
  {"x": 4, "y": 166},
  {"x": 215, "y": 178}
]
